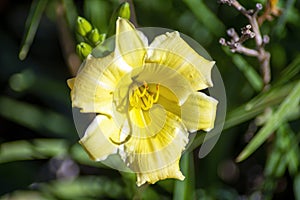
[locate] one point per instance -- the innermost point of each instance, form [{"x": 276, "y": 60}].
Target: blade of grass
[
  {"x": 290, "y": 103},
  {"x": 71, "y": 13},
  {"x": 257, "y": 105},
  {"x": 36, "y": 10},
  {"x": 250, "y": 110},
  {"x": 249, "y": 72},
  {"x": 85, "y": 187},
  {"x": 36, "y": 118},
  {"x": 185, "y": 189},
  {"x": 206, "y": 16},
  {"x": 280, "y": 26},
  {"x": 30, "y": 150},
  {"x": 297, "y": 186},
  {"x": 98, "y": 19},
  {"x": 289, "y": 72}
]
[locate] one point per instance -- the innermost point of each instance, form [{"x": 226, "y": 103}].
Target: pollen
[{"x": 141, "y": 97}]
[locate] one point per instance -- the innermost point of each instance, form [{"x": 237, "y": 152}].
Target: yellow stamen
[{"x": 140, "y": 97}]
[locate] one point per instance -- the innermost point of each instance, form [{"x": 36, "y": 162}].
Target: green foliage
[
  {"x": 288, "y": 108},
  {"x": 186, "y": 189},
  {"x": 32, "y": 23}
]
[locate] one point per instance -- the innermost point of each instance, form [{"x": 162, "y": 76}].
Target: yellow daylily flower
[{"x": 146, "y": 99}]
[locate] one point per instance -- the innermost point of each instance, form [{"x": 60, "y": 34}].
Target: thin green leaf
[
  {"x": 297, "y": 186},
  {"x": 30, "y": 150},
  {"x": 272, "y": 162},
  {"x": 98, "y": 19},
  {"x": 35, "y": 118},
  {"x": 184, "y": 190},
  {"x": 249, "y": 72},
  {"x": 257, "y": 105},
  {"x": 280, "y": 26},
  {"x": 71, "y": 13},
  {"x": 290, "y": 103},
  {"x": 23, "y": 194},
  {"x": 32, "y": 23},
  {"x": 250, "y": 110},
  {"x": 88, "y": 187},
  {"x": 284, "y": 153},
  {"x": 289, "y": 72},
  {"x": 206, "y": 16}
]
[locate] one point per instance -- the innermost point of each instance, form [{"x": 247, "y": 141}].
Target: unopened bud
[
  {"x": 102, "y": 38},
  {"x": 94, "y": 36},
  {"x": 124, "y": 10},
  {"x": 83, "y": 50},
  {"x": 266, "y": 39},
  {"x": 231, "y": 32},
  {"x": 259, "y": 6},
  {"x": 83, "y": 26},
  {"x": 222, "y": 41}
]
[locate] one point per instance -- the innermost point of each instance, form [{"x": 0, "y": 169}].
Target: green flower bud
[
  {"x": 83, "y": 50},
  {"x": 102, "y": 38},
  {"x": 94, "y": 36},
  {"x": 124, "y": 10},
  {"x": 83, "y": 26}
]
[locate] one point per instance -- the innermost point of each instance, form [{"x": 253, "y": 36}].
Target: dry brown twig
[
  {"x": 271, "y": 11},
  {"x": 67, "y": 42},
  {"x": 252, "y": 30}
]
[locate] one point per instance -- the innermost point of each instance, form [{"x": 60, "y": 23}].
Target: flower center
[{"x": 142, "y": 98}]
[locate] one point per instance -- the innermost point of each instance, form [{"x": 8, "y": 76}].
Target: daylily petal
[
  {"x": 171, "y": 171},
  {"x": 96, "y": 140},
  {"x": 167, "y": 99},
  {"x": 172, "y": 51},
  {"x": 145, "y": 124},
  {"x": 71, "y": 82},
  {"x": 95, "y": 83},
  {"x": 199, "y": 112},
  {"x": 154, "y": 157},
  {"x": 170, "y": 81},
  {"x": 130, "y": 43}
]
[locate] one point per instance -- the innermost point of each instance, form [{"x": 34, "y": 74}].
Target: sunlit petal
[
  {"x": 130, "y": 44},
  {"x": 172, "y": 51},
  {"x": 169, "y": 79},
  {"x": 95, "y": 83},
  {"x": 71, "y": 82},
  {"x": 199, "y": 112},
  {"x": 167, "y": 99},
  {"x": 96, "y": 140},
  {"x": 171, "y": 171},
  {"x": 145, "y": 124},
  {"x": 155, "y": 156}
]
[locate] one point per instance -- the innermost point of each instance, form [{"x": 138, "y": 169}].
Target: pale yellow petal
[
  {"x": 167, "y": 99},
  {"x": 172, "y": 51},
  {"x": 145, "y": 124},
  {"x": 171, "y": 171},
  {"x": 95, "y": 84},
  {"x": 97, "y": 138},
  {"x": 155, "y": 156},
  {"x": 71, "y": 82},
  {"x": 130, "y": 43},
  {"x": 199, "y": 112},
  {"x": 171, "y": 82}
]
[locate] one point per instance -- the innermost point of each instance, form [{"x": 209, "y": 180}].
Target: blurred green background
[{"x": 39, "y": 154}]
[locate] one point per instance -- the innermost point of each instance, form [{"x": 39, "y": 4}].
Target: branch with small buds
[{"x": 250, "y": 31}]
